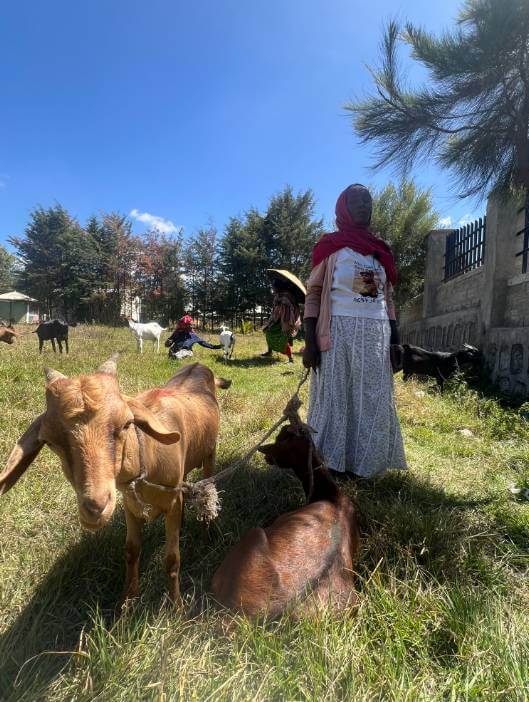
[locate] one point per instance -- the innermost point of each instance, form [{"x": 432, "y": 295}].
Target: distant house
[{"x": 19, "y": 307}]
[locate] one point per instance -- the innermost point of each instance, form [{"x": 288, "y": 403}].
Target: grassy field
[{"x": 442, "y": 579}]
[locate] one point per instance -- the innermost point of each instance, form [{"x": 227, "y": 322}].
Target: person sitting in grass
[
  {"x": 182, "y": 340},
  {"x": 285, "y": 321}
]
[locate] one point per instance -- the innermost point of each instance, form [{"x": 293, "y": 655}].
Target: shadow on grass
[
  {"x": 86, "y": 576},
  {"x": 255, "y": 362},
  {"x": 401, "y": 518}
]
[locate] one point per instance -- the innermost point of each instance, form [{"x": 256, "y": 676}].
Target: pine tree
[
  {"x": 201, "y": 266},
  {"x": 403, "y": 216},
  {"x": 243, "y": 259},
  {"x": 473, "y": 114},
  {"x": 7, "y": 270},
  {"x": 58, "y": 257},
  {"x": 290, "y": 231}
]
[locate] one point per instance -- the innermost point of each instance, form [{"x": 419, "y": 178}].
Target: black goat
[
  {"x": 51, "y": 331},
  {"x": 437, "y": 364}
]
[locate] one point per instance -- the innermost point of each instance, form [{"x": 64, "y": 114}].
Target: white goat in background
[
  {"x": 227, "y": 339},
  {"x": 150, "y": 331}
]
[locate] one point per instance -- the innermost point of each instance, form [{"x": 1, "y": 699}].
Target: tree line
[{"x": 90, "y": 272}]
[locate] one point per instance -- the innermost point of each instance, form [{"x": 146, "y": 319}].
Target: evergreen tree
[
  {"x": 290, "y": 231},
  {"x": 403, "y": 216},
  {"x": 7, "y": 270},
  {"x": 473, "y": 114},
  {"x": 201, "y": 266},
  {"x": 243, "y": 259},
  {"x": 58, "y": 257}
]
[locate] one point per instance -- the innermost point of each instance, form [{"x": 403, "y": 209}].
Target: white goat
[
  {"x": 227, "y": 339},
  {"x": 150, "y": 331}
]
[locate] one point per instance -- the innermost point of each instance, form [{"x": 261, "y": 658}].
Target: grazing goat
[
  {"x": 227, "y": 340},
  {"x": 437, "y": 364},
  {"x": 305, "y": 557},
  {"x": 107, "y": 441},
  {"x": 7, "y": 333},
  {"x": 150, "y": 331},
  {"x": 52, "y": 330}
]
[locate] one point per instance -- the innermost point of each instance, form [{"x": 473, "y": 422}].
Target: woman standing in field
[
  {"x": 350, "y": 328},
  {"x": 285, "y": 321}
]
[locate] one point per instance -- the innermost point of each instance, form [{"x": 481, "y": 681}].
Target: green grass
[{"x": 442, "y": 577}]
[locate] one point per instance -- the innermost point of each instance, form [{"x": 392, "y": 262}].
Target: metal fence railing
[
  {"x": 524, "y": 253},
  {"x": 465, "y": 248}
]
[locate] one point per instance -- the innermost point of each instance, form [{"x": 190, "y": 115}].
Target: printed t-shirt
[{"x": 358, "y": 286}]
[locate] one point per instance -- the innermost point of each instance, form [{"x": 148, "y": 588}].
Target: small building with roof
[{"x": 19, "y": 307}]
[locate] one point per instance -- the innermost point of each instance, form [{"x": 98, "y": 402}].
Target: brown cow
[
  {"x": 105, "y": 440},
  {"x": 305, "y": 557}
]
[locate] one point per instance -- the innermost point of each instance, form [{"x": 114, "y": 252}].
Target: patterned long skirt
[{"x": 352, "y": 406}]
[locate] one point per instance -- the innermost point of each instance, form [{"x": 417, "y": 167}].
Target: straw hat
[{"x": 297, "y": 286}]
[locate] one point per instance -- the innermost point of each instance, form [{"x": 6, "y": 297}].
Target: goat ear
[
  {"x": 24, "y": 453},
  {"x": 150, "y": 424},
  {"x": 266, "y": 448}
]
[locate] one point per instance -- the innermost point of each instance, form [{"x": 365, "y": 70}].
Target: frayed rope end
[{"x": 204, "y": 500}]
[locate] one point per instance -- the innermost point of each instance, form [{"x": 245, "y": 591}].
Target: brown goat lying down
[
  {"x": 305, "y": 557},
  {"x": 105, "y": 440}
]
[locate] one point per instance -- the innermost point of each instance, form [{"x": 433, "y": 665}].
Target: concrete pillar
[
  {"x": 501, "y": 245},
  {"x": 435, "y": 269}
]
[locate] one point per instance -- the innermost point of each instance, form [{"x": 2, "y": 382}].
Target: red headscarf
[
  {"x": 185, "y": 323},
  {"x": 354, "y": 236}
]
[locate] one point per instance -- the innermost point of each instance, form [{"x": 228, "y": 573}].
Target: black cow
[
  {"x": 437, "y": 364},
  {"x": 51, "y": 331}
]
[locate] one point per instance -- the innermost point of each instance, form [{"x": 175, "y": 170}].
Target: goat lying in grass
[
  {"x": 105, "y": 440},
  {"x": 305, "y": 557},
  {"x": 437, "y": 364},
  {"x": 151, "y": 331}
]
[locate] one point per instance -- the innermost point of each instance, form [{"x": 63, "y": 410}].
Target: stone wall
[
  {"x": 507, "y": 359},
  {"x": 487, "y": 307}
]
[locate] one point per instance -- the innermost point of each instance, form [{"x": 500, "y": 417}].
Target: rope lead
[{"x": 203, "y": 495}]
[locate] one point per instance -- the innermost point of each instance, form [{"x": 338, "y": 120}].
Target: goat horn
[
  {"x": 52, "y": 375},
  {"x": 109, "y": 366}
]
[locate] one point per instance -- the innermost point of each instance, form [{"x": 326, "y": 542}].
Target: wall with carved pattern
[{"x": 487, "y": 307}]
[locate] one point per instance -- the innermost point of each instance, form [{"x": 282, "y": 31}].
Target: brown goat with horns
[
  {"x": 306, "y": 556},
  {"x": 106, "y": 441}
]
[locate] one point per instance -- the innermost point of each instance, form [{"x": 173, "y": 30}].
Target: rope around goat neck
[{"x": 203, "y": 492}]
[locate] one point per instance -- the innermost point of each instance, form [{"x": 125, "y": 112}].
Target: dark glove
[
  {"x": 395, "y": 349},
  {"x": 395, "y": 336},
  {"x": 396, "y": 356}
]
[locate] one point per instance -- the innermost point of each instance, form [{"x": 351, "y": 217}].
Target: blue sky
[{"x": 190, "y": 111}]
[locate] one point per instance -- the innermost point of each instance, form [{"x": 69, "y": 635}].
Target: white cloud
[
  {"x": 466, "y": 219},
  {"x": 165, "y": 226},
  {"x": 445, "y": 222}
]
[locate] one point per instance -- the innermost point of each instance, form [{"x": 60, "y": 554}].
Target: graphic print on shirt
[
  {"x": 367, "y": 283},
  {"x": 358, "y": 286}
]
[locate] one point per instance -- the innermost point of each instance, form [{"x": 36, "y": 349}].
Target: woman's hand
[{"x": 311, "y": 356}]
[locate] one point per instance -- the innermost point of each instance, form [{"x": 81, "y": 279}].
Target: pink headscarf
[{"x": 354, "y": 236}]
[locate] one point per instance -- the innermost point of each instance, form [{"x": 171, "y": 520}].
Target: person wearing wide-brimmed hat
[
  {"x": 351, "y": 341},
  {"x": 284, "y": 322}
]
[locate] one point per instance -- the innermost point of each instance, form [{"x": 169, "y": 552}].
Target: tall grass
[{"x": 442, "y": 577}]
